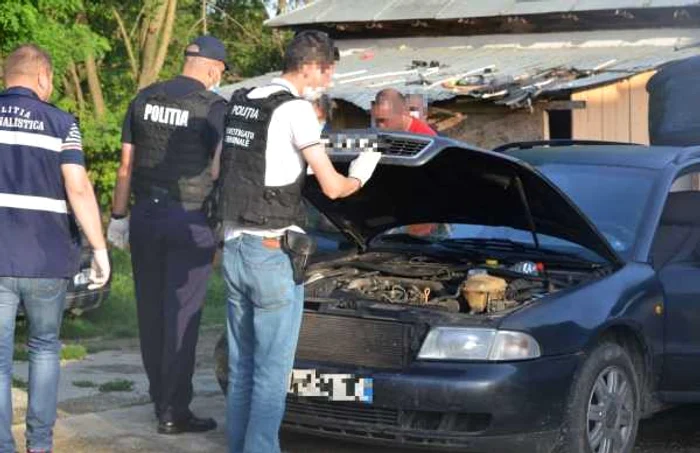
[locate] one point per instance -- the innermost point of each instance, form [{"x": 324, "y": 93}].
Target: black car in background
[
  {"x": 535, "y": 298},
  {"x": 79, "y": 298}
]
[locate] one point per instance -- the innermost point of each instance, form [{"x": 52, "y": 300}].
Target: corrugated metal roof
[
  {"x": 508, "y": 69},
  {"x": 336, "y": 11}
]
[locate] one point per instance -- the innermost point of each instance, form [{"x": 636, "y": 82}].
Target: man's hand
[
  {"x": 363, "y": 166},
  {"x": 333, "y": 184},
  {"x": 118, "y": 232},
  {"x": 99, "y": 270}
]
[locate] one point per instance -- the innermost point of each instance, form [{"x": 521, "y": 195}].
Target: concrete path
[{"x": 91, "y": 421}]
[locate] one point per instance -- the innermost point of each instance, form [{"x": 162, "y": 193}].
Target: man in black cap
[{"x": 170, "y": 136}]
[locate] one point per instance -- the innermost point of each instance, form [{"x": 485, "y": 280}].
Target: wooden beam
[{"x": 565, "y": 105}]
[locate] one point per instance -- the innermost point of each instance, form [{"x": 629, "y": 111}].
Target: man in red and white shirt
[{"x": 391, "y": 112}]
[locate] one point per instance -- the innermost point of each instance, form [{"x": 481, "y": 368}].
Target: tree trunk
[
  {"x": 127, "y": 44},
  {"x": 281, "y": 7},
  {"x": 68, "y": 89},
  {"x": 150, "y": 45},
  {"x": 204, "y": 17},
  {"x": 165, "y": 40},
  {"x": 73, "y": 71},
  {"x": 93, "y": 80}
]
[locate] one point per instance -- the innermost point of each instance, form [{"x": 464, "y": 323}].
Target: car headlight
[{"x": 457, "y": 343}]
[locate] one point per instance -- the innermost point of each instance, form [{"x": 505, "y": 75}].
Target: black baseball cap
[{"x": 209, "y": 47}]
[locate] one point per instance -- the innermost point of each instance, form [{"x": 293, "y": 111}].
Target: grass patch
[
  {"x": 117, "y": 385},
  {"x": 116, "y": 318},
  {"x": 73, "y": 352},
  {"x": 19, "y": 383},
  {"x": 84, "y": 384},
  {"x": 214, "y": 313},
  {"x": 21, "y": 353}
]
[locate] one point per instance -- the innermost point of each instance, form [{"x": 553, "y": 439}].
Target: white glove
[
  {"x": 363, "y": 166},
  {"x": 118, "y": 232},
  {"x": 99, "y": 269}
]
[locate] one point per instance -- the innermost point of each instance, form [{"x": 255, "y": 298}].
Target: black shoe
[{"x": 191, "y": 424}]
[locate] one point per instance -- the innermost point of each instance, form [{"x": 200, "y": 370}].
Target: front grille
[
  {"x": 353, "y": 341},
  {"x": 388, "y": 144},
  {"x": 333, "y": 415},
  {"x": 341, "y": 411},
  {"x": 396, "y": 146}
]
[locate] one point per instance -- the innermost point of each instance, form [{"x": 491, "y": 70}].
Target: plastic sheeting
[{"x": 674, "y": 104}]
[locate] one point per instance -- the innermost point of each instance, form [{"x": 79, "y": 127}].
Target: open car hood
[{"x": 434, "y": 179}]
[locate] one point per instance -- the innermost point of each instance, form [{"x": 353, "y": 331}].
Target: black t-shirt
[{"x": 179, "y": 86}]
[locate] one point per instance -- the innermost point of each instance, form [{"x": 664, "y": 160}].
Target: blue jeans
[
  {"x": 43, "y": 301},
  {"x": 264, "y": 316}
]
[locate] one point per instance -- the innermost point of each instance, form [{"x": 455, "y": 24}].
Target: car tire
[
  {"x": 604, "y": 404},
  {"x": 221, "y": 362}
]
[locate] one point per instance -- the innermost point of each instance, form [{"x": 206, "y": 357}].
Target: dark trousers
[{"x": 171, "y": 252}]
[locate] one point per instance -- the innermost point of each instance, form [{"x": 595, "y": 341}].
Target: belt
[{"x": 272, "y": 243}]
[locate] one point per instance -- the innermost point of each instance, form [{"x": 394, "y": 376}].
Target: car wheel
[
  {"x": 221, "y": 362},
  {"x": 603, "y": 412}
]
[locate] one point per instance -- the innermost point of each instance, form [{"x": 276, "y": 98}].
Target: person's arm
[
  {"x": 216, "y": 163},
  {"x": 83, "y": 203},
  {"x": 79, "y": 191},
  {"x": 306, "y": 136},
  {"x": 120, "y": 204},
  {"x": 216, "y": 123},
  {"x": 333, "y": 184}
]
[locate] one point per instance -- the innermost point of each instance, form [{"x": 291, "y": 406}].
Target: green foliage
[
  {"x": 53, "y": 25},
  {"x": 253, "y": 48},
  {"x": 70, "y": 30},
  {"x": 102, "y": 142}
]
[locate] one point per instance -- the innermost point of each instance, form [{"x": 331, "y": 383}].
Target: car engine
[{"x": 427, "y": 283}]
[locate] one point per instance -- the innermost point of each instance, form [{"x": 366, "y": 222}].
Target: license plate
[{"x": 332, "y": 387}]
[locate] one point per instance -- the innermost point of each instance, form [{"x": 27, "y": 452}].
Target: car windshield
[{"x": 614, "y": 198}]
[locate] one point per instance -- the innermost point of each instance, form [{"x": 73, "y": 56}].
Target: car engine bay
[{"x": 456, "y": 287}]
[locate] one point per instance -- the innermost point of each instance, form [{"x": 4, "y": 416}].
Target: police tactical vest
[
  {"x": 245, "y": 200},
  {"x": 171, "y": 146}
]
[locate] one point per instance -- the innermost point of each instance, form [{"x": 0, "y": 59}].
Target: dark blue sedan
[{"x": 536, "y": 299}]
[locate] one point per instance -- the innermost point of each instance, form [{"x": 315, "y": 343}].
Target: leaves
[{"x": 73, "y": 31}]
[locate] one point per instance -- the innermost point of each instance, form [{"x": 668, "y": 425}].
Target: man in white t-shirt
[{"x": 271, "y": 136}]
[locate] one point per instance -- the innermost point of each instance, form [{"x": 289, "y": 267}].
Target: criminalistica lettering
[{"x": 12, "y": 122}]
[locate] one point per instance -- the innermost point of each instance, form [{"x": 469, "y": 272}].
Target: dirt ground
[{"x": 101, "y": 422}]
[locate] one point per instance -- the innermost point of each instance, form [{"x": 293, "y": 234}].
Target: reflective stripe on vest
[
  {"x": 8, "y": 200},
  {"x": 30, "y": 139}
]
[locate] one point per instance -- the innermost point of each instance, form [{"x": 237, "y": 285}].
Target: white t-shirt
[{"x": 293, "y": 128}]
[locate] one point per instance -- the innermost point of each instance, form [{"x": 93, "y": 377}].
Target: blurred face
[
  {"x": 317, "y": 79},
  {"x": 215, "y": 73},
  {"x": 387, "y": 116}
]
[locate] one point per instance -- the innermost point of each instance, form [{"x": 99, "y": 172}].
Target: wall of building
[
  {"x": 616, "y": 112},
  {"x": 490, "y": 126},
  {"x": 486, "y": 126}
]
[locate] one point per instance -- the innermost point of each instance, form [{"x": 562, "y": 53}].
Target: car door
[{"x": 676, "y": 256}]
